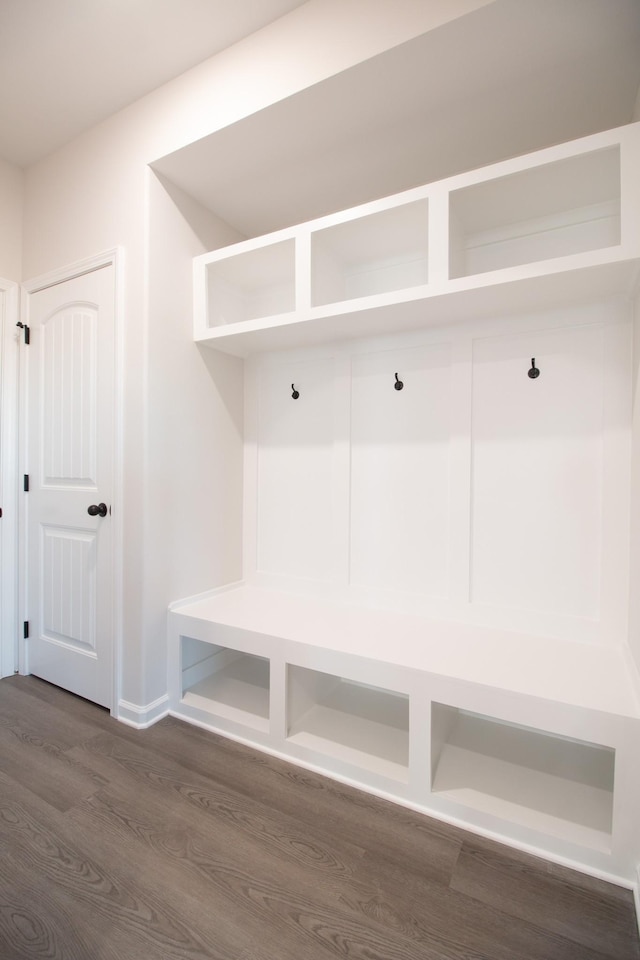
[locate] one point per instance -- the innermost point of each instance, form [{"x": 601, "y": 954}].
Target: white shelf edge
[{"x": 482, "y": 296}]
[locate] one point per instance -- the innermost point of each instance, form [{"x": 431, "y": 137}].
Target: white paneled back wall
[
  {"x": 537, "y": 454},
  {"x": 400, "y": 469},
  {"x": 297, "y": 470},
  {"x": 475, "y": 492}
]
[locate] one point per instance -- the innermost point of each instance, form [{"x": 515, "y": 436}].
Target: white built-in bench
[{"x": 529, "y": 738}]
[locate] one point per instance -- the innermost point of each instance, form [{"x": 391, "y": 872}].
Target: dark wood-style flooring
[{"x": 175, "y": 844}]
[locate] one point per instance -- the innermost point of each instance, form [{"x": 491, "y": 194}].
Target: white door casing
[
  {"x": 71, "y": 465},
  {"x": 9, "y": 356}
]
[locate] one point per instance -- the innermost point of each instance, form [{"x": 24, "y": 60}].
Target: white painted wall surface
[
  {"x": 194, "y": 413},
  {"x": 90, "y": 196},
  {"x": 364, "y": 492},
  {"x": 634, "y": 572},
  {"x": 11, "y": 192},
  {"x": 10, "y": 346}
]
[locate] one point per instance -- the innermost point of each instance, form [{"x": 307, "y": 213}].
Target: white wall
[
  {"x": 94, "y": 194},
  {"x": 368, "y": 491},
  {"x": 11, "y": 188},
  {"x": 634, "y": 572},
  {"x": 194, "y": 449},
  {"x": 11, "y": 193}
]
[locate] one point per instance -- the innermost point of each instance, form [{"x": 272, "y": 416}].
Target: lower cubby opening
[
  {"x": 226, "y": 683},
  {"x": 358, "y": 724},
  {"x": 557, "y": 785}
]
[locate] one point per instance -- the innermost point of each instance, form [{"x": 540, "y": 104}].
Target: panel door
[{"x": 71, "y": 456}]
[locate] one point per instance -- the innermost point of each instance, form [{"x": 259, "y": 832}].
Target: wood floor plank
[
  {"x": 62, "y": 702},
  {"x": 48, "y": 772},
  {"x": 32, "y": 923},
  {"x": 127, "y": 916},
  {"x": 312, "y": 798},
  {"x": 595, "y": 919},
  {"x": 286, "y": 836},
  {"x": 33, "y": 714},
  {"x": 465, "y": 927},
  {"x": 286, "y": 923},
  {"x": 287, "y": 880}
]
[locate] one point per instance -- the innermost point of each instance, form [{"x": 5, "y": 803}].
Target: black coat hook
[
  {"x": 398, "y": 385},
  {"x": 533, "y": 372},
  {"x": 295, "y": 394}
]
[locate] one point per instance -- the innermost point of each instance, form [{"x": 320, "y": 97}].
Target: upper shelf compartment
[
  {"x": 531, "y": 233},
  {"x": 378, "y": 253},
  {"x": 553, "y": 210},
  {"x": 250, "y": 285}
]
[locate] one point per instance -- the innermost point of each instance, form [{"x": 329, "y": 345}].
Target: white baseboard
[{"x": 143, "y": 717}]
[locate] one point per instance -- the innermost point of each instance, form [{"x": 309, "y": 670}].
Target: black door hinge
[
  {"x": 23, "y": 326},
  {"x": 0, "y": 513},
  {"x": 25, "y": 485},
  {"x": 25, "y": 630}
]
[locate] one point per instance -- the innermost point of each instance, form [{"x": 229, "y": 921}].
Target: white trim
[
  {"x": 72, "y": 270},
  {"x": 112, "y": 257},
  {"x": 636, "y": 896},
  {"x": 10, "y": 339},
  {"x": 142, "y": 717}
]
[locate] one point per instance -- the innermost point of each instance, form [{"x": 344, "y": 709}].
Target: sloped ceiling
[
  {"x": 65, "y": 65},
  {"x": 511, "y": 77}
]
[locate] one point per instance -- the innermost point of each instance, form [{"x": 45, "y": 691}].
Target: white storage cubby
[
  {"x": 250, "y": 285},
  {"x": 226, "y": 683},
  {"x": 521, "y": 232},
  {"x": 549, "y": 211},
  {"x": 374, "y": 254},
  {"x": 353, "y": 722},
  {"x": 556, "y": 785},
  {"x": 435, "y": 593}
]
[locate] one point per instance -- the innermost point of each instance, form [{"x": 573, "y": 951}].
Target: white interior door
[{"x": 71, "y": 461}]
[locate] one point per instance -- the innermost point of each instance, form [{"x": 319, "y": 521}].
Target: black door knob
[{"x": 97, "y": 510}]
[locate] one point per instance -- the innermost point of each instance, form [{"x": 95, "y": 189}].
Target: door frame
[
  {"x": 115, "y": 258},
  {"x": 9, "y": 428}
]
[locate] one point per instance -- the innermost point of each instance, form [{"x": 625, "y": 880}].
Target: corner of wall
[
  {"x": 11, "y": 214},
  {"x": 142, "y": 717},
  {"x": 636, "y": 109}
]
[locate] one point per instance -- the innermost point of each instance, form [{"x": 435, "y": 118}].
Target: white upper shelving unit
[{"x": 522, "y": 233}]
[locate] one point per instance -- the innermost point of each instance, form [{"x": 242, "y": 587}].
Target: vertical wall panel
[
  {"x": 296, "y": 470},
  {"x": 400, "y": 470},
  {"x": 537, "y": 449}
]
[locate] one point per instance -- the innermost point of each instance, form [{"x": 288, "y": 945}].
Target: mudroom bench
[{"x": 526, "y": 738}]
